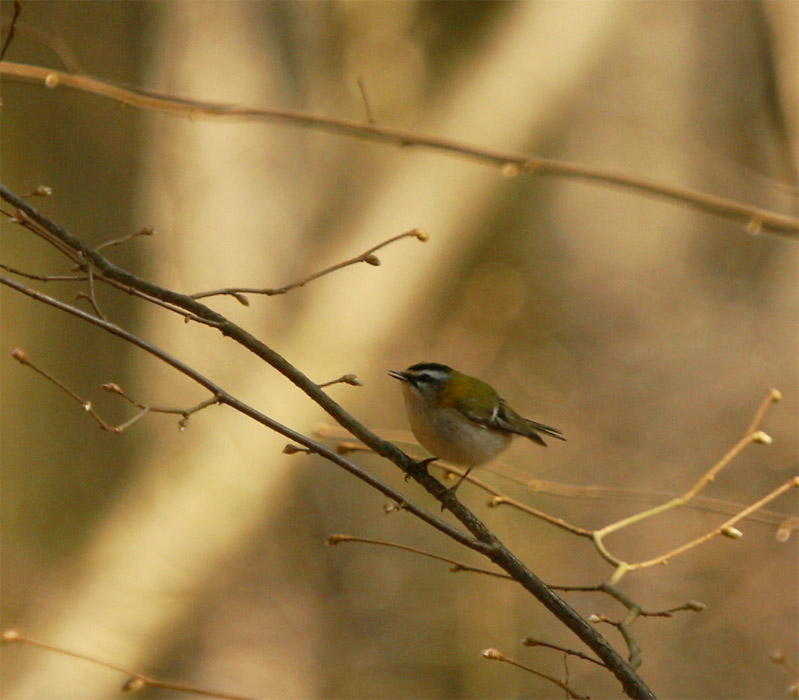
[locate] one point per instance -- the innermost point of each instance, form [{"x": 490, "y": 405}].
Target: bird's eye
[{"x": 428, "y": 378}]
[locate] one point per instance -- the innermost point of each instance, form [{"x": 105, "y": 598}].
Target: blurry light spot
[{"x": 494, "y": 294}]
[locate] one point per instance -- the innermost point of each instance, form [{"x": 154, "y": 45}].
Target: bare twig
[
  {"x": 456, "y": 565},
  {"x": 367, "y": 256},
  {"x": 146, "y": 231},
  {"x": 370, "y": 117},
  {"x": 185, "y": 413},
  {"x": 21, "y": 217},
  {"x": 91, "y": 296},
  {"x": 634, "y": 611},
  {"x": 726, "y": 528},
  {"x": 44, "y": 278},
  {"x": 22, "y": 357},
  {"x": 624, "y": 626},
  {"x": 350, "y": 379},
  {"x": 785, "y": 524},
  {"x": 496, "y": 655},
  {"x": 752, "y": 436},
  {"x": 11, "y": 28},
  {"x": 533, "y": 642},
  {"x": 55, "y": 43},
  {"x": 136, "y": 681},
  {"x": 754, "y": 218}
]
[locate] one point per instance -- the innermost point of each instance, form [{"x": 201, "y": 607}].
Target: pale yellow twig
[{"x": 136, "y": 681}]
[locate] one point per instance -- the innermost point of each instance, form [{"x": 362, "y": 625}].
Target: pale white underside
[{"x": 449, "y": 435}]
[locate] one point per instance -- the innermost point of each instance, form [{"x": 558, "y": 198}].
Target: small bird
[{"x": 461, "y": 419}]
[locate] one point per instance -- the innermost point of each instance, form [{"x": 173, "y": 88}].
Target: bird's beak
[{"x": 398, "y": 375}]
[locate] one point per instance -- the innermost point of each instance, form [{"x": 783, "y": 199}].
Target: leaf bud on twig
[
  {"x": 762, "y": 438},
  {"x": 732, "y": 532}
]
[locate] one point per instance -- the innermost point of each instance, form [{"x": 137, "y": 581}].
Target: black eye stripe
[
  {"x": 431, "y": 368},
  {"x": 427, "y": 378}
]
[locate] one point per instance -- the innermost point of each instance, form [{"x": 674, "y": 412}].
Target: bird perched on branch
[{"x": 461, "y": 419}]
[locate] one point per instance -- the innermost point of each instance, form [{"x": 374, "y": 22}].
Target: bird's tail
[{"x": 536, "y": 428}]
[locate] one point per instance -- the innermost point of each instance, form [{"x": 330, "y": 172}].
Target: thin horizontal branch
[
  {"x": 136, "y": 681},
  {"x": 756, "y": 219},
  {"x": 533, "y": 642},
  {"x": 456, "y": 565}
]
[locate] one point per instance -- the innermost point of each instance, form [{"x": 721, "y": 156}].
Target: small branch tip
[
  {"x": 19, "y": 355},
  {"x": 762, "y": 438},
  {"x": 421, "y": 234},
  {"x": 10, "y": 635},
  {"x": 776, "y": 395},
  {"x": 493, "y": 654},
  {"x": 133, "y": 684}
]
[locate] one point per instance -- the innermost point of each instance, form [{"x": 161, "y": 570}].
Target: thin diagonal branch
[
  {"x": 456, "y": 565},
  {"x": 367, "y": 256},
  {"x": 496, "y": 655},
  {"x": 11, "y": 28},
  {"x": 533, "y": 642},
  {"x": 754, "y": 218},
  {"x": 136, "y": 681}
]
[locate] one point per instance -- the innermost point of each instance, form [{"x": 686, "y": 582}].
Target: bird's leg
[
  {"x": 453, "y": 489},
  {"x": 450, "y": 492}
]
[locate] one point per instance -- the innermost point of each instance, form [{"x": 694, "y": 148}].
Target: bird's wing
[{"x": 508, "y": 419}]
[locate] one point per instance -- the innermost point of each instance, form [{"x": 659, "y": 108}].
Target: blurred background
[{"x": 646, "y": 331}]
